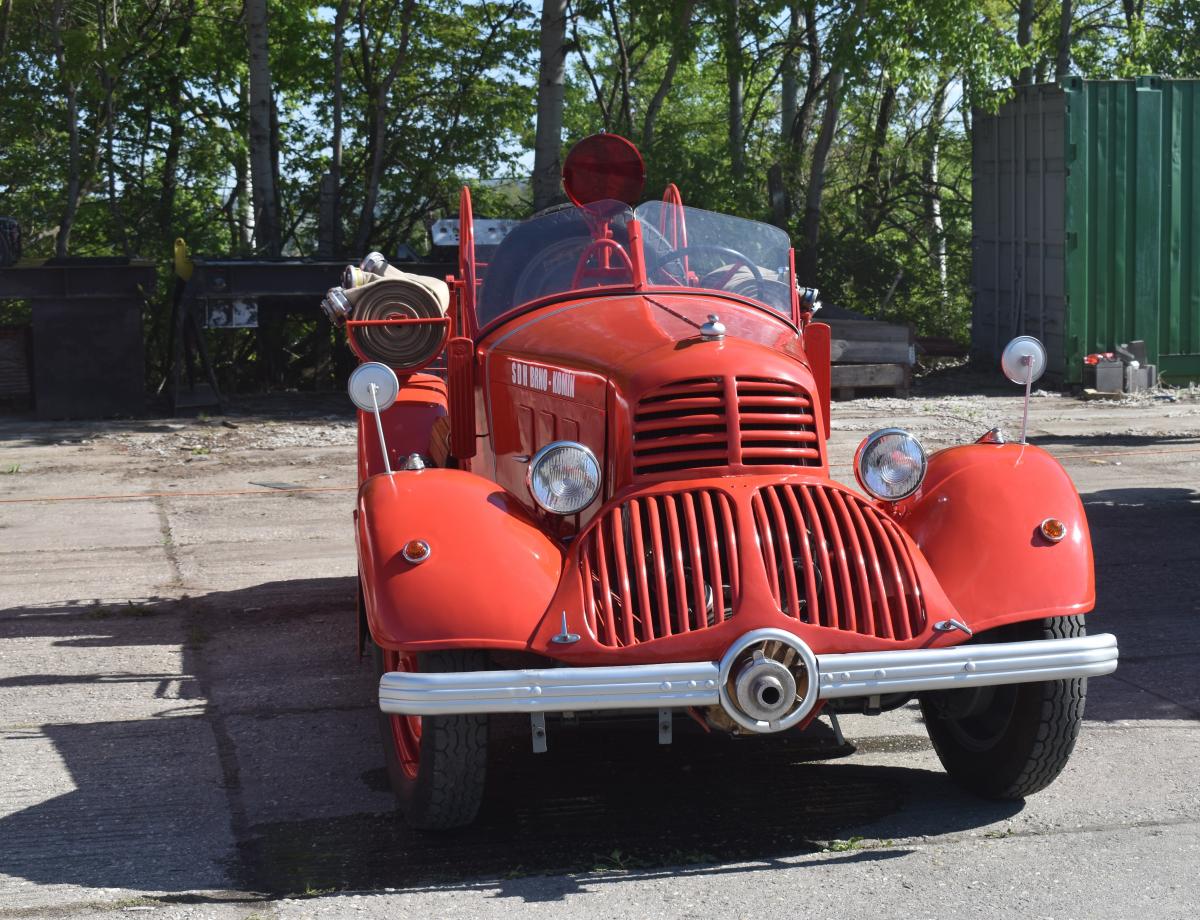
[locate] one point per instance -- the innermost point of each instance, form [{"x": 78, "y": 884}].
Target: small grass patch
[{"x": 845, "y": 846}]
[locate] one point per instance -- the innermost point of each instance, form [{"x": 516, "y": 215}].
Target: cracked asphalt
[{"x": 185, "y": 730}]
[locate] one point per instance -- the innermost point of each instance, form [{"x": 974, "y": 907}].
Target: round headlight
[
  {"x": 564, "y": 477},
  {"x": 890, "y": 464}
]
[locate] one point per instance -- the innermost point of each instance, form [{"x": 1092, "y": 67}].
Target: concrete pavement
[{"x": 185, "y": 730}]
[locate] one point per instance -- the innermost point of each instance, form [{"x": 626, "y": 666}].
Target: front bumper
[{"x": 700, "y": 683}]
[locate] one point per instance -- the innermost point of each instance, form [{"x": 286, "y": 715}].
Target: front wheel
[
  {"x": 1013, "y": 740},
  {"x": 437, "y": 765}
]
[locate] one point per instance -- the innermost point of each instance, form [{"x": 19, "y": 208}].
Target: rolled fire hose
[{"x": 399, "y": 295}]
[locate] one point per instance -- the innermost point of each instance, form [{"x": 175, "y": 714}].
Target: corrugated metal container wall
[
  {"x": 1133, "y": 220},
  {"x": 1086, "y": 217},
  {"x": 1017, "y": 207}
]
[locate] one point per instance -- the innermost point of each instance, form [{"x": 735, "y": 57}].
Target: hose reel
[{"x": 392, "y": 317}]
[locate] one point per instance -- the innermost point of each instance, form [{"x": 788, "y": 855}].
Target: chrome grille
[
  {"x": 705, "y": 422},
  {"x": 660, "y": 565},
  {"x": 834, "y": 560}
]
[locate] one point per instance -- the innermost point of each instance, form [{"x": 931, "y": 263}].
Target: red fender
[
  {"x": 490, "y": 575},
  {"x": 976, "y": 519}
]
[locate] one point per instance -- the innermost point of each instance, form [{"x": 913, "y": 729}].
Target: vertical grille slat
[
  {"x": 605, "y": 597},
  {"x": 660, "y": 566},
  {"x": 815, "y": 606},
  {"x": 699, "y": 600},
  {"x": 629, "y": 616},
  {"x": 645, "y": 617},
  {"x": 766, "y": 540},
  {"x": 679, "y": 594},
  {"x": 830, "y": 607},
  {"x": 716, "y": 575},
  {"x": 787, "y": 584},
  {"x": 914, "y": 603},
  {"x": 709, "y": 422},
  {"x": 847, "y": 566}
]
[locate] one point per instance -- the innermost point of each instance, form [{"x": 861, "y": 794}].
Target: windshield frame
[
  {"x": 639, "y": 283},
  {"x": 629, "y": 290}
]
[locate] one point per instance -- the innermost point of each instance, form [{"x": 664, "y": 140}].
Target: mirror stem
[
  {"x": 1028, "y": 362},
  {"x": 387, "y": 467}
]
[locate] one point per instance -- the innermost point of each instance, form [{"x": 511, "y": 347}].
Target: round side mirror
[
  {"x": 373, "y": 384},
  {"x": 1024, "y": 359}
]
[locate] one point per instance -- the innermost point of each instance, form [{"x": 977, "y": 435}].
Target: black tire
[
  {"x": 445, "y": 788},
  {"x": 1010, "y": 741}
]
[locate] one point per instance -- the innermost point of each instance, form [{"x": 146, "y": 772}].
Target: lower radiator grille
[
  {"x": 834, "y": 560},
  {"x": 660, "y": 565}
]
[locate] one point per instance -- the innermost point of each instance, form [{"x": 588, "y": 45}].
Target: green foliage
[{"x": 125, "y": 123}]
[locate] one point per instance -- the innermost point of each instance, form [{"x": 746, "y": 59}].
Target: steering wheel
[
  {"x": 595, "y": 248},
  {"x": 737, "y": 258}
]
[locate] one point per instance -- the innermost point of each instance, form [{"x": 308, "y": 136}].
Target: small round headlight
[
  {"x": 890, "y": 464},
  {"x": 564, "y": 477}
]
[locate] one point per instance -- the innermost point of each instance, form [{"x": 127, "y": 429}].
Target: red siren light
[{"x": 604, "y": 167}]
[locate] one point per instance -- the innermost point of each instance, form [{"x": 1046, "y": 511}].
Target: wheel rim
[
  {"x": 982, "y": 730},
  {"x": 406, "y": 730}
]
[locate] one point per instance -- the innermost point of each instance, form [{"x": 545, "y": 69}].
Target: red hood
[
  {"x": 636, "y": 341},
  {"x": 576, "y": 370}
]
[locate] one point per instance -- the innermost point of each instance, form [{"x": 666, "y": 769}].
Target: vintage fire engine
[{"x": 594, "y": 478}]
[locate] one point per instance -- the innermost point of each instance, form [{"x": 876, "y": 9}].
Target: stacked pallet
[{"x": 868, "y": 355}]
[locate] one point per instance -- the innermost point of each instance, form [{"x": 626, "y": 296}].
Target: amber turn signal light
[
  {"x": 1053, "y": 529},
  {"x": 415, "y": 551}
]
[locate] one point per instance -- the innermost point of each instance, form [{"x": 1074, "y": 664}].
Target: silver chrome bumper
[{"x": 678, "y": 684}]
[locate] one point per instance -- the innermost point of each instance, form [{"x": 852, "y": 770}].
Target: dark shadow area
[
  {"x": 1147, "y": 550},
  {"x": 260, "y": 770},
  {"x": 608, "y": 800}
]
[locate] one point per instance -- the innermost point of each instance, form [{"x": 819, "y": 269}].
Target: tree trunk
[
  {"x": 1062, "y": 63},
  {"x": 678, "y": 48},
  {"x": 6, "y": 14},
  {"x": 103, "y": 27},
  {"x": 1024, "y": 36},
  {"x": 261, "y": 109},
  {"x": 380, "y": 110},
  {"x": 872, "y": 186},
  {"x": 933, "y": 192},
  {"x": 733, "y": 75},
  {"x": 802, "y": 126},
  {"x": 552, "y": 68},
  {"x": 816, "y": 178},
  {"x": 170, "y": 168},
  {"x": 790, "y": 87},
  {"x": 262, "y": 171},
  {"x": 335, "y": 165},
  {"x": 62, "y": 241},
  {"x": 625, "y": 126}
]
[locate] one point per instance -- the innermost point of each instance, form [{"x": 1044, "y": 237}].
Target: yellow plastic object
[{"x": 183, "y": 262}]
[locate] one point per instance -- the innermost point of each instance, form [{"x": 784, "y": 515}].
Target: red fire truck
[{"x": 594, "y": 478}]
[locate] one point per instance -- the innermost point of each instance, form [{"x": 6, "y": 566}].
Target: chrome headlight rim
[
  {"x": 540, "y": 457},
  {"x": 870, "y": 441}
]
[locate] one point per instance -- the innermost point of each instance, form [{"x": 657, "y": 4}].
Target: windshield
[
  {"x": 573, "y": 249},
  {"x": 688, "y": 247},
  {"x": 563, "y": 250}
]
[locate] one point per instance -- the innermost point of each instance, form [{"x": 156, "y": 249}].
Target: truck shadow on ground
[{"x": 257, "y": 765}]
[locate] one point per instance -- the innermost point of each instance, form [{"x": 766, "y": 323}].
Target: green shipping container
[{"x": 1086, "y": 222}]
